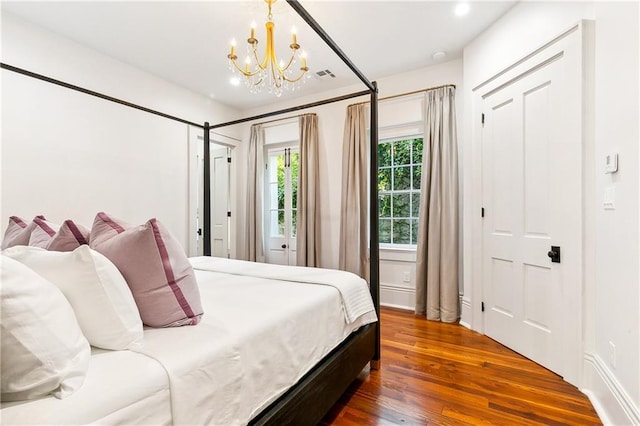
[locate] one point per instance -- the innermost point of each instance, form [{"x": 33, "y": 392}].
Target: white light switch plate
[{"x": 610, "y": 198}]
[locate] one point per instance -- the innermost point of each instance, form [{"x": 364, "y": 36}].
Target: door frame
[
  {"x": 577, "y": 40},
  {"x": 291, "y": 253},
  {"x": 196, "y": 148}
]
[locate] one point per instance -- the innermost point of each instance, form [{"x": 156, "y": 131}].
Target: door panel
[
  {"x": 220, "y": 202},
  {"x": 531, "y": 175}
]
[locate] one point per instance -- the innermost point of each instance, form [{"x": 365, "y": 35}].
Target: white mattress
[
  {"x": 257, "y": 338},
  {"x": 121, "y": 387}
]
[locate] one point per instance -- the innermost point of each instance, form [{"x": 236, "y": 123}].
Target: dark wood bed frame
[{"x": 309, "y": 399}]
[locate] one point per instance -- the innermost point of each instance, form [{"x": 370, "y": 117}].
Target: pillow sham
[
  {"x": 43, "y": 231},
  {"x": 96, "y": 290},
  {"x": 18, "y": 232},
  {"x": 43, "y": 349},
  {"x": 154, "y": 265},
  {"x": 68, "y": 237}
]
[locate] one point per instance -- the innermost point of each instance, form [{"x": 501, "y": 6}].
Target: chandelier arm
[
  {"x": 297, "y": 79},
  {"x": 286, "y": 67},
  {"x": 260, "y": 66},
  {"x": 244, "y": 72},
  {"x": 276, "y": 78}
]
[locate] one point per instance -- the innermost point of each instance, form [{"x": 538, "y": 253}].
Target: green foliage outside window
[
  {"x": 281, "y": 170},
  {"x": 399, "y": 175}
]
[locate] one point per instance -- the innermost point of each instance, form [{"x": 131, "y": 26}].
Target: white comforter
[
  {"x": 354, "y": 297},
  {"x": 264, "y": 327}
]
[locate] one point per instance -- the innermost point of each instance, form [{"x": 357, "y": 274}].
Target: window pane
[
  {"x": 384, "y": 154},
  {"x": 402, "y": 152},
  {"x": 385, "y": 205},
  {"x": 401, "y": 231},
  {"x": 401, "y": 178},
  {"x": 417, "y": 151},
  {"x": 294, "y": 179},
  {"x": 276, "y": 229},
  {"x": 417, "y": 176},
  {"x": 385, "y": 231},
  {"x": 294, "y": 223},
  {"x": 273, "y": 196},
  {"x": 281, "y": 181},
  {"x": 414, "y": 231},
  {"x": 401, "y": 207},
  {"x": 415, "y": 204},
  {"x": 275, "y": 161},
  {"x": 281, "y": 222},
  {"x": 384, "y": 180}
]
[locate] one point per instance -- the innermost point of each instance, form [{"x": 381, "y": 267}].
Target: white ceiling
[{"x": 187, "y": 42}]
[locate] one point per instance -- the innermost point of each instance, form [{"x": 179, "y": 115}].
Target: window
[{"x": 399, "y": 175}]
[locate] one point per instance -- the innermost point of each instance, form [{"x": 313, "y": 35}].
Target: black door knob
[
  {"x": 283, "y": 246},
  {"x": 554, "y": 254},
  {"x": 551, "y": 254}
]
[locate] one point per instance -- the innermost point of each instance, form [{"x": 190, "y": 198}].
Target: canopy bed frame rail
[{"x": 309, "y": 399}]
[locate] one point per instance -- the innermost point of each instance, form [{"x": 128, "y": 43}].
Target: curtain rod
[
  {"x": 292, "y": 109},
  {"x": 408, "y": 93},
  {"x": 96, "y": 94}
]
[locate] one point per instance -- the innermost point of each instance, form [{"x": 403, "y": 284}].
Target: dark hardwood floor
[{"x": 445, "y": 374}]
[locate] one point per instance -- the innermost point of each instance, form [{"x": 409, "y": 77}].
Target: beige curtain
[
  {"x": 255, "y": 194},
  {"x": 437, "y": 255},
  {"x": 308, "y": 221},
  {"x": 353, "y": 209}
]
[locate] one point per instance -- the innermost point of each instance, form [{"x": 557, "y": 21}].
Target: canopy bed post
[
  {"x": 374, "y": 252},
  {"x": 206, "y": 188}
]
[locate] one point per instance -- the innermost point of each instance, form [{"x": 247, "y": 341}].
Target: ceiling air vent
[{"x": 324, "y": 74}]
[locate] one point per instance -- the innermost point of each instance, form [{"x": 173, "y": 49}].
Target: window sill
[{"x": 398, "y": 254}]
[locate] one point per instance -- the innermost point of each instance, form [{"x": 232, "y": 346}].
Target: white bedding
[
  {"x": 259, "y": 335},
  {"x": 121, "y": 387}
]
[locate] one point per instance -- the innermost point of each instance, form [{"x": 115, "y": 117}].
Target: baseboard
[
  {"x": 610, "y": 400},
  {"x": 465, "y": 312},
  {"x": 397, "y": 297}
]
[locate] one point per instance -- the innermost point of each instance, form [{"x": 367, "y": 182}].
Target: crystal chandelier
[{"x": 275, "y": 75}]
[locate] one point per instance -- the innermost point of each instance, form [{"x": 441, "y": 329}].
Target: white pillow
[
  {"x": 43, "y": 349},
  {"x": 99, "y": 295}
]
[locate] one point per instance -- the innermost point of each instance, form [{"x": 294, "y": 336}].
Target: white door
[
  {"x": 531, "y": 150},
  {"x": 282, "y": 193},
  {"x": 220, "y": 221},
  {"x": 220, "y": 202}
]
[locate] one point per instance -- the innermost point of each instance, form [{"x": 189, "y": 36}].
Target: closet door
[
  {"x": 220, "y": 202},
  {"x": 531, "y": 147}
]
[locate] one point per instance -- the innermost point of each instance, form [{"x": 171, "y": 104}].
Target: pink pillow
[
  {"x": 69, "y": 237},
  {"x": 155, "y": 267},
  {"x": 18, "y": 232},
  {"x": 42, "y": 232}
]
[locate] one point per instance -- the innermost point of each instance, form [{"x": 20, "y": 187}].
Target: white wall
[
  {"x": 331, "y": 128},
  {"x": 68, "y": 155},
  {"x": 611, "y": 279}
]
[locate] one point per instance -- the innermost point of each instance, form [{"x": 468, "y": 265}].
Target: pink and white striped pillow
[
  {"x": 155, "y": 267},
  {"x": 18, "y": 232},
  {"x": 68, "y": 237}
]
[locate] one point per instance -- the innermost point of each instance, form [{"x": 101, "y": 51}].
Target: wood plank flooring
[{"x": 444, "y": 374}]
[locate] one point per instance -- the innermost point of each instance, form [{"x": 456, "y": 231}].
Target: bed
[
  {"x": 300, "y": 395},
  {"x": 263, "y": 331}
]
